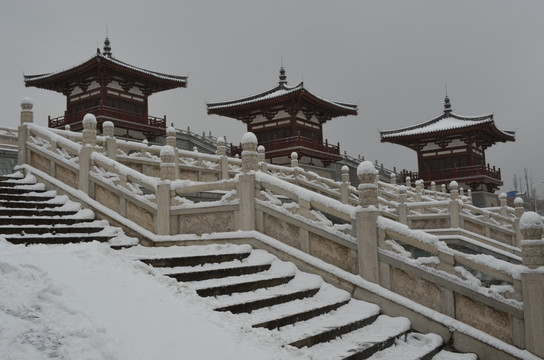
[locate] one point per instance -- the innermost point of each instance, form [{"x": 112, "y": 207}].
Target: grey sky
[{"x": 393, "y": 58}]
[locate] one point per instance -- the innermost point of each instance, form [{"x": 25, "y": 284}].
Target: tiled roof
[
  {"x": 448, "y": 122},
  {"x": 101, "y": 57},
  {"x": 279, "y": 91}
]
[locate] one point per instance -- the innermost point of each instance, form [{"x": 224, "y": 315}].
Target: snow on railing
[{"x": 419, "y": 201}]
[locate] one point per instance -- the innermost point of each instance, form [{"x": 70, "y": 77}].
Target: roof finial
[
  {"x": 107, "y": 48},
  {"x": 283, "y": 77},
  {"x": 447, "y": 105}
]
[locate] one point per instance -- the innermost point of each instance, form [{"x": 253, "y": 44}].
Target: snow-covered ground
[{"x": 85, "y": 301}]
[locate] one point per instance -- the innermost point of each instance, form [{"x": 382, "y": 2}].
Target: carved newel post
[
  {"x": 532, "y": 280},
  {"x": 519, "y": 209},
  {"x": 294, "y": 159},
  {"x": 419, "y": 190},
  {"x": 89, "y": 130},
  {"x": 403, "y": 211},
  {"x": 169, "y": 170},
  {"x": 408, "y": 182},
  {"x": 454, "y": 204},
  {"x": 393, "y": 178},
  {"x": 108, "y": 130},
  {"x": 503, "y": 209},
  {"x": 344, "y": 186},
  {"x": 367, "y": 218},
  {"x": 246, "y": 182},
  {"x": 249, "y": 152},
  {"x": 88, "y": 142},
  {"x": 27, "y": 116},
  {"x": 222, "y": 151},
  {"x": 261, "y": 158},
  {"x": 171, "y": 136}
]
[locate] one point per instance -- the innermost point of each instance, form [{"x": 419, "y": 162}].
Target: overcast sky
[{"x": 392, "y": 58}]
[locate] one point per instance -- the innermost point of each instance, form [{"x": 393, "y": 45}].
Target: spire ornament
[
  {"x": 283, "y": 77},
  {"x": 107, "y": 48}
]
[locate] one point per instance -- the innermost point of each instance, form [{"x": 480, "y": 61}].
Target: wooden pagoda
[
  {"x": 288, "y": 119},
  {"x": 452, "y": 147},
  {"x": 111, "y": 90}
]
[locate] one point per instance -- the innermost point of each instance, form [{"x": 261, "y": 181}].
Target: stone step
[
  {"x": 28, "y": 204},
  {"x": 41, "y": 221},
  {"x": 47, "y": 229},
  {"x": 366, "y": 341},
  {"x": 412, "y": 346},
  {"x": 219, "y": 273},
  {"x": 35, "y": 212},
  {"x": 56, "y": 239},
  {"x": 194, "y": 260},
  {"x": 11, "y": 177},
  {"x": 350, "y": 317},
  {"x": 301, "y": 316},
  {"x": 246, "y": 286},
  {"x": 327, "y": 298},
  {"x": 23, "y": 189},
  {"x": 249, "y": 306},
  {"x": 26, "y": 198},
  {"x": 8, "y": 183}
]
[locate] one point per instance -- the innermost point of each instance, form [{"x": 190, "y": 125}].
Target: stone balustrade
[{"x": 361, "y": 241}]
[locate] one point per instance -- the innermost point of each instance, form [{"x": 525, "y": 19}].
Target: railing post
[
  {"x": 408, "y": 182},
  {"x": 532, "y": 254},
  {"x": 443, "y": 188},
  {"x": 344, "y": 186},
  {"x": 419, "y": 186},
  {"x": 367, "y": 218},
  {"x": 224, "y": 164},
  {"x": 519, "y": 209},
  {"x": 469, "y": 197},
  {"x": 403, "y": 210},
  {"x": 108, "y": 130},
  {"x": 246, "y": 182},
  {"x": 294, "y": 160},
  {"x": 454, "y": 205},
  {"x": 261, "y": 158},
  {"x": 503, "y": 209},
  {"x": 169, "y": 169},
  {"x": 27, "y": 116},
  {"x": 393, "y": 178},
  {"x": 88, "y": 142},
  {"x": 143, "y": 149}
]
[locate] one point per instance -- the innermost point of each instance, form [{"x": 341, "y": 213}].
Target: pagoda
[
  {"x": 288, "y": 119},
  {"x": 110, "y": 89},
  {"x": 452, "y": 147}
]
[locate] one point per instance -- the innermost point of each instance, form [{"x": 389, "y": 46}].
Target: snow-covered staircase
[
  {"x": 31, "y": 215},
  {"x": 298, "y": 308}
]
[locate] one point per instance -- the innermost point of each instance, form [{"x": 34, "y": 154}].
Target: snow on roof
[
  {"x": 276, "y": 92},
  {"x": 180, "y": 79},
  {"x": 438, "y": 124},
  {"x": 447, "y": 121}
]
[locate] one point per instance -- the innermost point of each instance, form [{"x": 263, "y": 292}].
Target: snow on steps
[
  {"x": 29, "y": 214},
  {"x": 301, "y": 310}
]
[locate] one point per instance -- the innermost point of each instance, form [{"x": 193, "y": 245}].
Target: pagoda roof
[
  {"x": 280, "y": 94},
  {"x": 448, "y": 124},
  {"x": 101, "y": 63}
]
